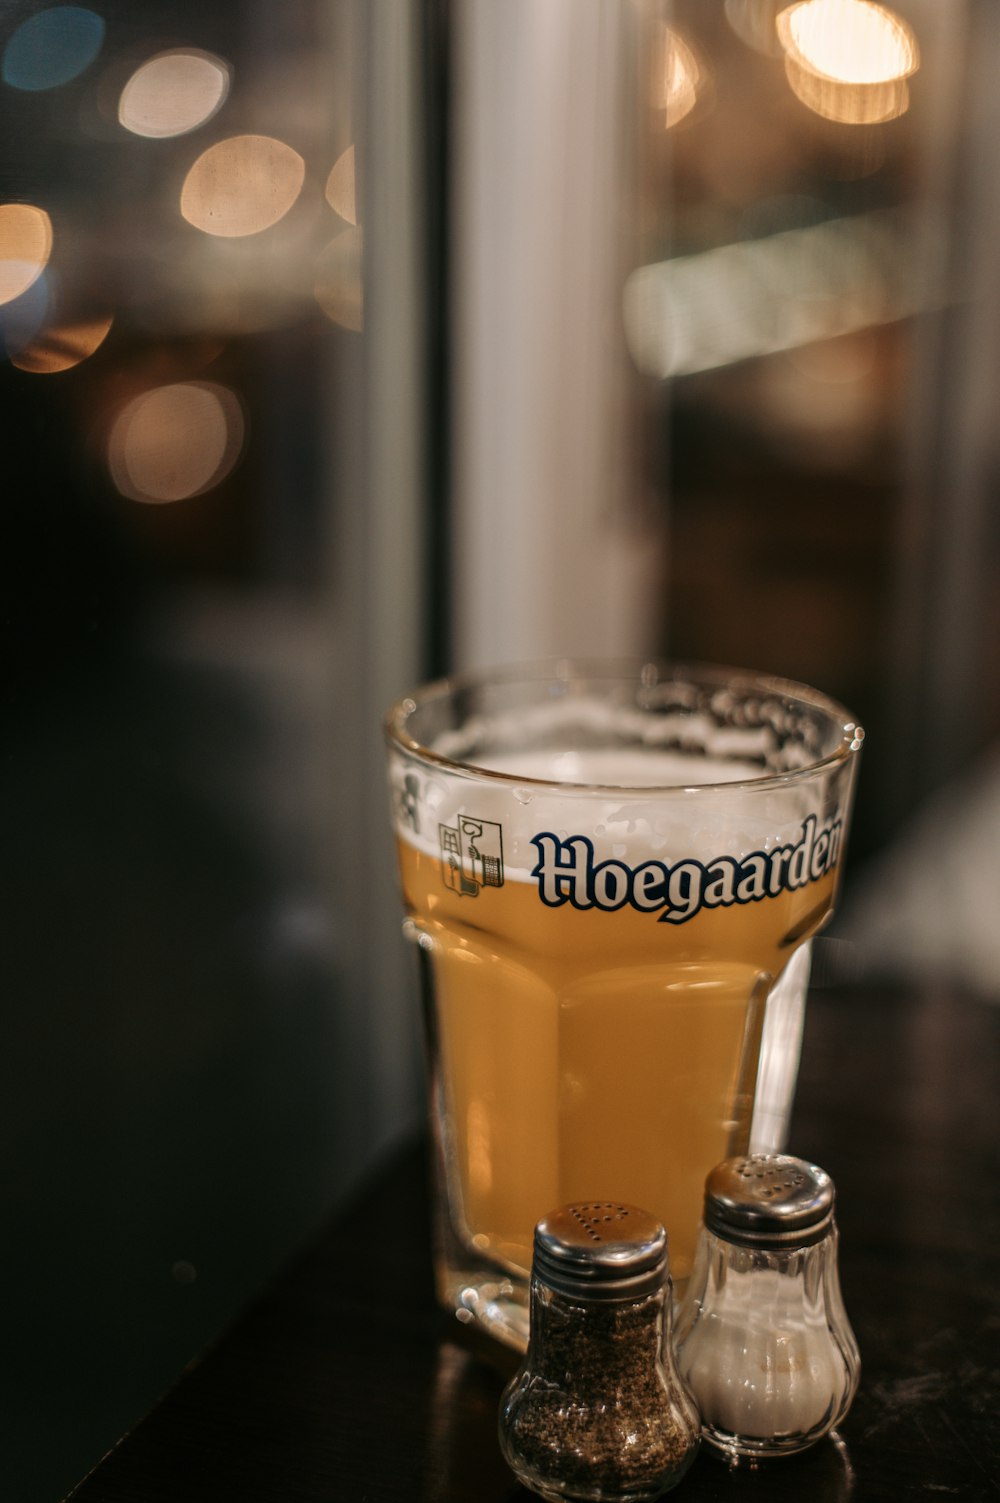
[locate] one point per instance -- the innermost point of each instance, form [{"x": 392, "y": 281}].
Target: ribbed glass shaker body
[
  {"x": 597, "y": 1410},
  {"x": 763, "y": 1338}
]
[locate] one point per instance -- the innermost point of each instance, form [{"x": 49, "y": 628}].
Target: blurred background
[{"x": 344, "y": 342}]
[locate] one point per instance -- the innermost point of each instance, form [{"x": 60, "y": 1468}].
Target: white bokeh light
[
  {"x": 174, "y": 93},
  {"x": 242, "y": 185},
  {"x": 849, "y": 41},
  {"x": 175, "y": 442}
]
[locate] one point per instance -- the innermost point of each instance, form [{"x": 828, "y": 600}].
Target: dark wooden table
[{"x": 344, "y": 1382}]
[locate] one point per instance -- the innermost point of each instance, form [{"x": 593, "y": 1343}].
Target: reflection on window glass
[
  {"x": 776, "y": 303},
  {"x": 169, "y": 411},
  {"x": 163, "y": 199}
]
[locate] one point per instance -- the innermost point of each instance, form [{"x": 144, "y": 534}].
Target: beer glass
[{"x": 606, "y": 868}]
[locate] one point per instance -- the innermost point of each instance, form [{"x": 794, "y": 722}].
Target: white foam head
[{"x": 633, "y": 805}]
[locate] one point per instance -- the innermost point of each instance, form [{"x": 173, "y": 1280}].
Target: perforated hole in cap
[
  {"x": 604, "y": 1248},
  {"x": 768, "y": 1198},
  {"x": 601, "y": 1214},
  {"x": 772, "y": 1179}
]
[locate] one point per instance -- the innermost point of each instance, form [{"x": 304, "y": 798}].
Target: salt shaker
[
  {"x": 763, "y": 1338},
  {"x": 597, "y": 1410}
]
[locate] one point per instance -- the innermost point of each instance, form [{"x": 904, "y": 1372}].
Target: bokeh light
[
  {"x": 242, "y": 185},
  {"x": 849, "y": 41},
  {"x": 60, "y": 346},
  {"x": 25, "y": 247},
  {"x": 679, "y": 79},
  {"x": 847, "y": 104},
  {"x": 173, "y": 93},
  {"x": 757, "y": 297},
  {"x": 24, "y": 317},
  {"x": 52, "y": 47},
  {"x": 175, "y": 442},
  {"x": 338, "y": 280},
  {"x": 341, "y": 192}
]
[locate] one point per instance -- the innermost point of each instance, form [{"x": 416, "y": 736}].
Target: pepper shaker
[
  {"x": 597, "y": 1410},
  {"x": 763, "y": 1338}
]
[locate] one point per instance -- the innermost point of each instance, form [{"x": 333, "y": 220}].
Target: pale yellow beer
[
  {"x": 608, "y": 871},
  {"x": 595, "y": 1055}
]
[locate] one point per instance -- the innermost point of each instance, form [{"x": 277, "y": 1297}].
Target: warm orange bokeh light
[
  {"x": 175, "y": 441},
  {"x": 341, "y": 192},
  {"x": 25, "y": 248},
  {"x": 339, "y": 280},
  {"x": 61, "y": 346},
  {"x": 173, "y": 93},
  {"x": 849, "y": 41},
  {"x": 679, "y": 79},
  {"x": 848, "y": 60},
  {"x": 848, "y": 104},
  {"x": 242, "y": 185}
]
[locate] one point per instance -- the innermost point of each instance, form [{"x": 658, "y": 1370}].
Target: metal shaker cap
[
  {"x": 769, "y": 1200},
  {"x": 601, "y": 1250}
]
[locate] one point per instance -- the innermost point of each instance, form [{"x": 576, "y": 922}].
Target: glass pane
[{"x": 192, "y": 649}]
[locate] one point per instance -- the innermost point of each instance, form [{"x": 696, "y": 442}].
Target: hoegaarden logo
[{"x": 567, "y": 872}]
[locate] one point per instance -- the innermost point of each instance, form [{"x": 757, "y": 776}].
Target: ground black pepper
[{"x": 597, "y": 1411}]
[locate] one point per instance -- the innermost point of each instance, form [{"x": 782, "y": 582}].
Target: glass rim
[{"x": 643, "y": 671}]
